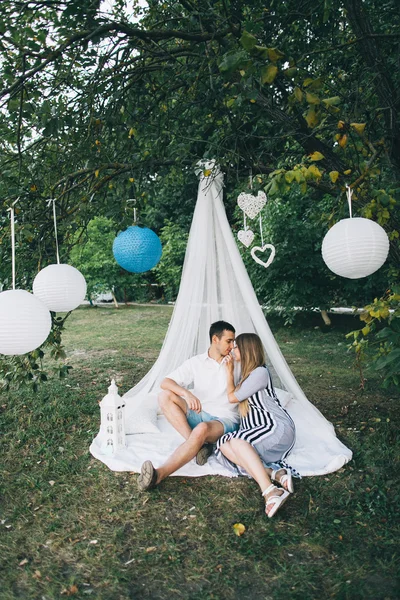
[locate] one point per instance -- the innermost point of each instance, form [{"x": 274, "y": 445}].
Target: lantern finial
[{"x": 113, "y": 388}]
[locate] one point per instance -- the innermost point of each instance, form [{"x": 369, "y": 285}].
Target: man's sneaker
[
  {"x": 148, "y": 477},
  {"x": 203, "y": 454}
]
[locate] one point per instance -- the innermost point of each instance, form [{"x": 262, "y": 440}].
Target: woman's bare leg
[
  {"x": 278, "y": 476},
  {"x": 243, "y": 454}
]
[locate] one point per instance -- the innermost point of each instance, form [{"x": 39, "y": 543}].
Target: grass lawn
[{"x": 69, "y": 527}]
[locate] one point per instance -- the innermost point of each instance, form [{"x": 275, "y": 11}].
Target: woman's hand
[
  {"x": 229, "y": 363},
  {"x": 230, "y": 383}
]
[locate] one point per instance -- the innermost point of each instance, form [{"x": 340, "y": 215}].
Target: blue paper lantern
[{"x": 137, "y": 249}]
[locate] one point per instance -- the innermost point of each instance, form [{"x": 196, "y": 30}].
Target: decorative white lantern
[
  {"x": 355, "y": 247},
  {"x": 25, "y": 322},
  {"x": 60, "y": 287},
  {"x": 112, "y": 427}
]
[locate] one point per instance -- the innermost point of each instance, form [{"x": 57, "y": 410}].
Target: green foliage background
[{"x": 102, "y": 105}]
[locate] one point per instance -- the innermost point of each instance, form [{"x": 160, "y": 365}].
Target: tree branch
[{"x": 104, "y": 31}]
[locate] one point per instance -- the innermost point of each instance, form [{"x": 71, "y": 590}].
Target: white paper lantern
[
  {"x": 25, "y": 322},
  {"x": 60, "y": 287},
  {"x": 355, "y": 247}
]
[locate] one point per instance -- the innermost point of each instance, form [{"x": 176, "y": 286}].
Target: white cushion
[
  {"x": 141, "y": 415},
  {"x": 283, "y": 396}
]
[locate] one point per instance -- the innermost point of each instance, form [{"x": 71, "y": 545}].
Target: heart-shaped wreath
[
  {"x": 246, "y": 237},
  {"x": 252, "y": 205},
  {"x": 263, "y": 249}
]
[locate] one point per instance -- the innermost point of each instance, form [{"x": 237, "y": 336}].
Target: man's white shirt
[{"x": 208, "y": 378}]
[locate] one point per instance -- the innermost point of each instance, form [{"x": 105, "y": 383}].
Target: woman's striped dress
[{"x": 267, "y": 425}]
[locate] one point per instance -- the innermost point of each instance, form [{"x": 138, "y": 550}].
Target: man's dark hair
[{"x": 218, "y": 329}]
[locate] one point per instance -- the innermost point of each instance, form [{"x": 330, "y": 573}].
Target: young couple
[{"x": 253, "y": 440}]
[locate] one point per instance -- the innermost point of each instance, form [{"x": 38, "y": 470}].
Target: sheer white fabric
[{"x": 215, "y": 285}]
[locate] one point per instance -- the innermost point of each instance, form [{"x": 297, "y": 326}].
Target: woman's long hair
[{"x": 252, "y": 355}]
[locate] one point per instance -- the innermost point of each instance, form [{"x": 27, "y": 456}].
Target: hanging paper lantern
[
  {"x": 355, "y": 247},
  {"x": 60, "y": 287},
  {"x": 25, "y": 322},
  {"x": 137, "y": 249}
]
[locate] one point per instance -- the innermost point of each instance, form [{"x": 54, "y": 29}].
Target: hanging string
[
  {"x": 134, "y": 209},
  {"x": 49, "y": 201},
  {"x": 251, "y": 187},
  {"x": 11, "y": 209},
  {"x": 261, "y": 232},
  {"x": 349, "y": 193}
]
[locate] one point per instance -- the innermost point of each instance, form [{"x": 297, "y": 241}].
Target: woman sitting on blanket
[{"x": 266, "y": 432}]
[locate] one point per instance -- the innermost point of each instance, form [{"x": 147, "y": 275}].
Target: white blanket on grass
[{"x": 142, "y": 414}]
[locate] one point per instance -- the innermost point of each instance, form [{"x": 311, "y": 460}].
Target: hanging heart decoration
[
  {"x": 263, "y": 249},
  {"x": 252, "y": 205},
  {"x": 246, "y": 237}
]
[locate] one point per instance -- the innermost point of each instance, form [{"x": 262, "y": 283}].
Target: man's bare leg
[
  {"x": 201, "y": 434},
  {"x": 174, "y": 408}
]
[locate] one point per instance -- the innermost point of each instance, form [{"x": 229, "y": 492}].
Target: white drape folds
[{"x": 215, "y": 285}]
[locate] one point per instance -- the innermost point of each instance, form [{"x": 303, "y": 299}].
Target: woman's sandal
[
  {"x": 276, "y": 500},
  {"x": 285, "y": 478},
  {"x": 148, "y": 476}
]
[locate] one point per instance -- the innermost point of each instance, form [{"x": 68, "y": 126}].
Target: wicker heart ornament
[
  {"x": 246, "y": 237},
  {"x": 252, "y": 205},
  {"x": 263, "y": 249}
]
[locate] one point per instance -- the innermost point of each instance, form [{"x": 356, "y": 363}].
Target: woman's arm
[
  {"x": 258, "y": 380},
  {"x": 230, "y": 383}
]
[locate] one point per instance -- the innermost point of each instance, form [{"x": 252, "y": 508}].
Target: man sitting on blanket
[{"x": 202, "y": 415}]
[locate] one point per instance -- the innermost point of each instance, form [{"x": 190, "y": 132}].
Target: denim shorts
[{"x": 194, "y": 418}]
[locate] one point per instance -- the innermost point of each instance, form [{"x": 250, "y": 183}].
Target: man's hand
[{"x": 192, "y": 402}]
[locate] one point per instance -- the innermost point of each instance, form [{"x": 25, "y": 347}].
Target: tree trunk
[
  {"x": 385, "y": 90},
  {"x": 326, "y": 318},
  {"x": 114, "y": 299}
]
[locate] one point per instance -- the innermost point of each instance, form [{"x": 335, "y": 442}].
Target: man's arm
[{"x": 171, "y": 386}]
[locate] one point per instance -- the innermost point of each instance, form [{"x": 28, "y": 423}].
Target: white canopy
[{"x": 215, "y": 285}]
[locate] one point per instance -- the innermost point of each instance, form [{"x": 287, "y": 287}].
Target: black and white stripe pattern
[{"x": 259, "y": 423}]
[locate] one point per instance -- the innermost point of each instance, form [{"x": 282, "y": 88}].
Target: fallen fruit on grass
[{"x": 239, "y": 529}]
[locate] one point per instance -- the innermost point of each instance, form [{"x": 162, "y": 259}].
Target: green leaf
[
  {"x": 313, "y": 172},
  {"x": 268, "y": 74},
  {"x": 312, "y": 117},
  {"x": 313, "y": 84},
  {"x": 384, "y": 361},
  {"x": 298, "y": 175},
  {"x": 291, "y": 72},
  {"x": 290, "y": 176},
  {"x": 332, "y": 101},
  {"x": 359, "y": 127},
  {"x": 230, "y": 62},
  {"x": 316, "y": 156},
  {"x": 312, "y": 98},
  {"x": 274, "y": 54},
  {"x": 262, "y": 51},
  {"x": 248, "y": 40},
  {"x": 333, "y": 176},
  {"x": 388, "y": 334},
  {"x": 298, "y": 94}
]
